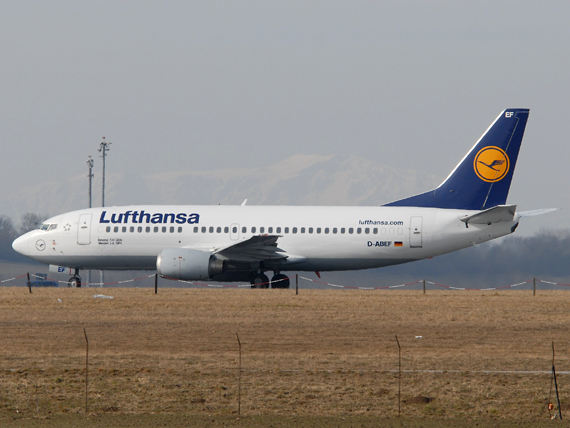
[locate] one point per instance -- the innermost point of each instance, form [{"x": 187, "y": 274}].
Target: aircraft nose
[{"x": 21, "y": 245}]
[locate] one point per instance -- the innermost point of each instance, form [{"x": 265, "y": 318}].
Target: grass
[{"x": 323, "y": 357}]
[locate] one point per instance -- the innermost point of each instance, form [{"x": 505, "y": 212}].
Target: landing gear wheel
[
  {"x": 279, "y": 281},
  {"x": 260, "y": 280},
  {"x": 74, "y": 281}
]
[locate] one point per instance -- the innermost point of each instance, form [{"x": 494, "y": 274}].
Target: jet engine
[{"x": 187, "y": 264}]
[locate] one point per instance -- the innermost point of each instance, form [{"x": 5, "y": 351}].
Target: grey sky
[{"x": 178, "y": 85}]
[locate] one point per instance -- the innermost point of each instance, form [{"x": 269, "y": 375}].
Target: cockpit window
[
  {"x": 52, "y": 226},
  {"x": 46, "y": 227}
]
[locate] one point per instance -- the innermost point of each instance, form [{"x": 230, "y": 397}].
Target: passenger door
[{"x": 84, "y": 229}]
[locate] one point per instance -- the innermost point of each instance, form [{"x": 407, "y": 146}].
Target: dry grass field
[{"x": 322, "y": 358}]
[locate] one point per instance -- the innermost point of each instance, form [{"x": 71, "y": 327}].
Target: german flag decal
[{"x": 398, "y": 244}]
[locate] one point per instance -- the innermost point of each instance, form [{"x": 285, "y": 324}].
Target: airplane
[{"x": 243, "y": 243}]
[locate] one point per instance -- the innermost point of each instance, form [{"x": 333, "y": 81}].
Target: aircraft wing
[
  {"x": 492, "y": 215},
  {"x": 254, "y": 249}
]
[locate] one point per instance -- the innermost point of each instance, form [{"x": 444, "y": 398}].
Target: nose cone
[{"x": 21, "y": 245}]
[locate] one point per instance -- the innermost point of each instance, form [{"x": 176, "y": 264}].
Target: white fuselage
[{"x": 312, "y": 238}]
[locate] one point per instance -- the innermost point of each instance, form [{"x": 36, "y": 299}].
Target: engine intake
[{"x": 187, "y": 264}]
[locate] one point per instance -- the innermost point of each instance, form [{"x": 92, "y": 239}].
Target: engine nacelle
[{"x": 187, "y": 264}]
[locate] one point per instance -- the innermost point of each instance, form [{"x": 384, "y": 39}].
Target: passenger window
[
  {"x": 219, "y": 229},
  {"x": 310, "y": 230},
  {"x": 116, "y": 229},
  {"x": 375, "y": 231},
  {"x": 132, "y": 229},
  {"x": 261, "y": 229},
  {"x": 148, "y": 229},
  {"x": 227, "y": 229},
  {"x": 244, "y": 229},
  {"x": 302, "y": 230},
  {"x": 383, "y": 231},
  {"x": 139, "y": 229},
  {"x": 253, "y": 229},
  {"x": 326, "y": 230},
  {"x": 108, "y": 228},
  {"x": 269, "y": 230},
  {"x": 171, "y": 229},
  {"x": 342, "y": 230},
  {"x": 211, "y": 229},
  {"x": 359, "y": 230},
  {"x": 334, "y": 229},
  {"x": 124, "y": 229},
  {"x": 278, "y": 230},
  {"x": 318, "y": 230},
  {"x": 367, "y": 230},
  {"x": 163, "y": 229},
  {"x": 350, "y": 230},
  {"x": 294, "y": 230},
  {"x": 195, "y": 229},
  {"x": 203, "y": 229},
  {"x": 286, "y": 230},
  {"x": 155, "y": 229},
  {"x": 180, "y": 229},
  {"x": 234, "y": 229}
]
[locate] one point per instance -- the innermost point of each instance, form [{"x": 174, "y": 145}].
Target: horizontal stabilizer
[
  {"x": 537, "y": 212},
  {"x": 492, "y": 215}
]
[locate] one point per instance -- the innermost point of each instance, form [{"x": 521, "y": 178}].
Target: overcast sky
[{"x": 178, "y": 85}]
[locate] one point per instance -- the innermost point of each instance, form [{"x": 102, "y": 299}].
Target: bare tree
[
  {"x": 31, "y": 221},
  {"x": 7, "y": 234},
  {"x": 7, "y": 229}
]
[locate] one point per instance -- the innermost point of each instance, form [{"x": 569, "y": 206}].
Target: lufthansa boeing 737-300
[{"x": 242, "y": 243}]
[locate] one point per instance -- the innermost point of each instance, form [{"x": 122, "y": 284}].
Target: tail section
[{"x": 483, "y": 177}]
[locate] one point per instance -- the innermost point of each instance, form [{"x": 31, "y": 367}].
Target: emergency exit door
[{"x": 416, "y": 232}]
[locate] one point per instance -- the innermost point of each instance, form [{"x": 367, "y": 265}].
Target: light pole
[
  {"x": 90, "y": 177},
  {"x": 103, "y": 149}
]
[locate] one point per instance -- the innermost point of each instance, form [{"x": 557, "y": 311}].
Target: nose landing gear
[{"x": 75, "y": 280}]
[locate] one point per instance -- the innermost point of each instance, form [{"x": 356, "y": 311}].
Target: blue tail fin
[{"x": 483, "y": 177}]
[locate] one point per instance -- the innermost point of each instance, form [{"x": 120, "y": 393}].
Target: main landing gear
[
  {"x": 75, "y": 280},
  {"x": 260, "y": 280},
  {"x": 280, "y": 281}
]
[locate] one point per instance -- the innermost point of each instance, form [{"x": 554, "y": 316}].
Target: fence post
[
  {"x": 555, "y": 384},
  {"x": 424, "y": 286},
  {"x": 86, "y": 370},
  {"x": 296, "y": 284},
  {"x": 399, "y": 374},
  {"x": 239, "y": 376},
  {"x": 29, "y": 283},
  {"x": 534, "y": 286},
  {"x": 156, "y": 283}
]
